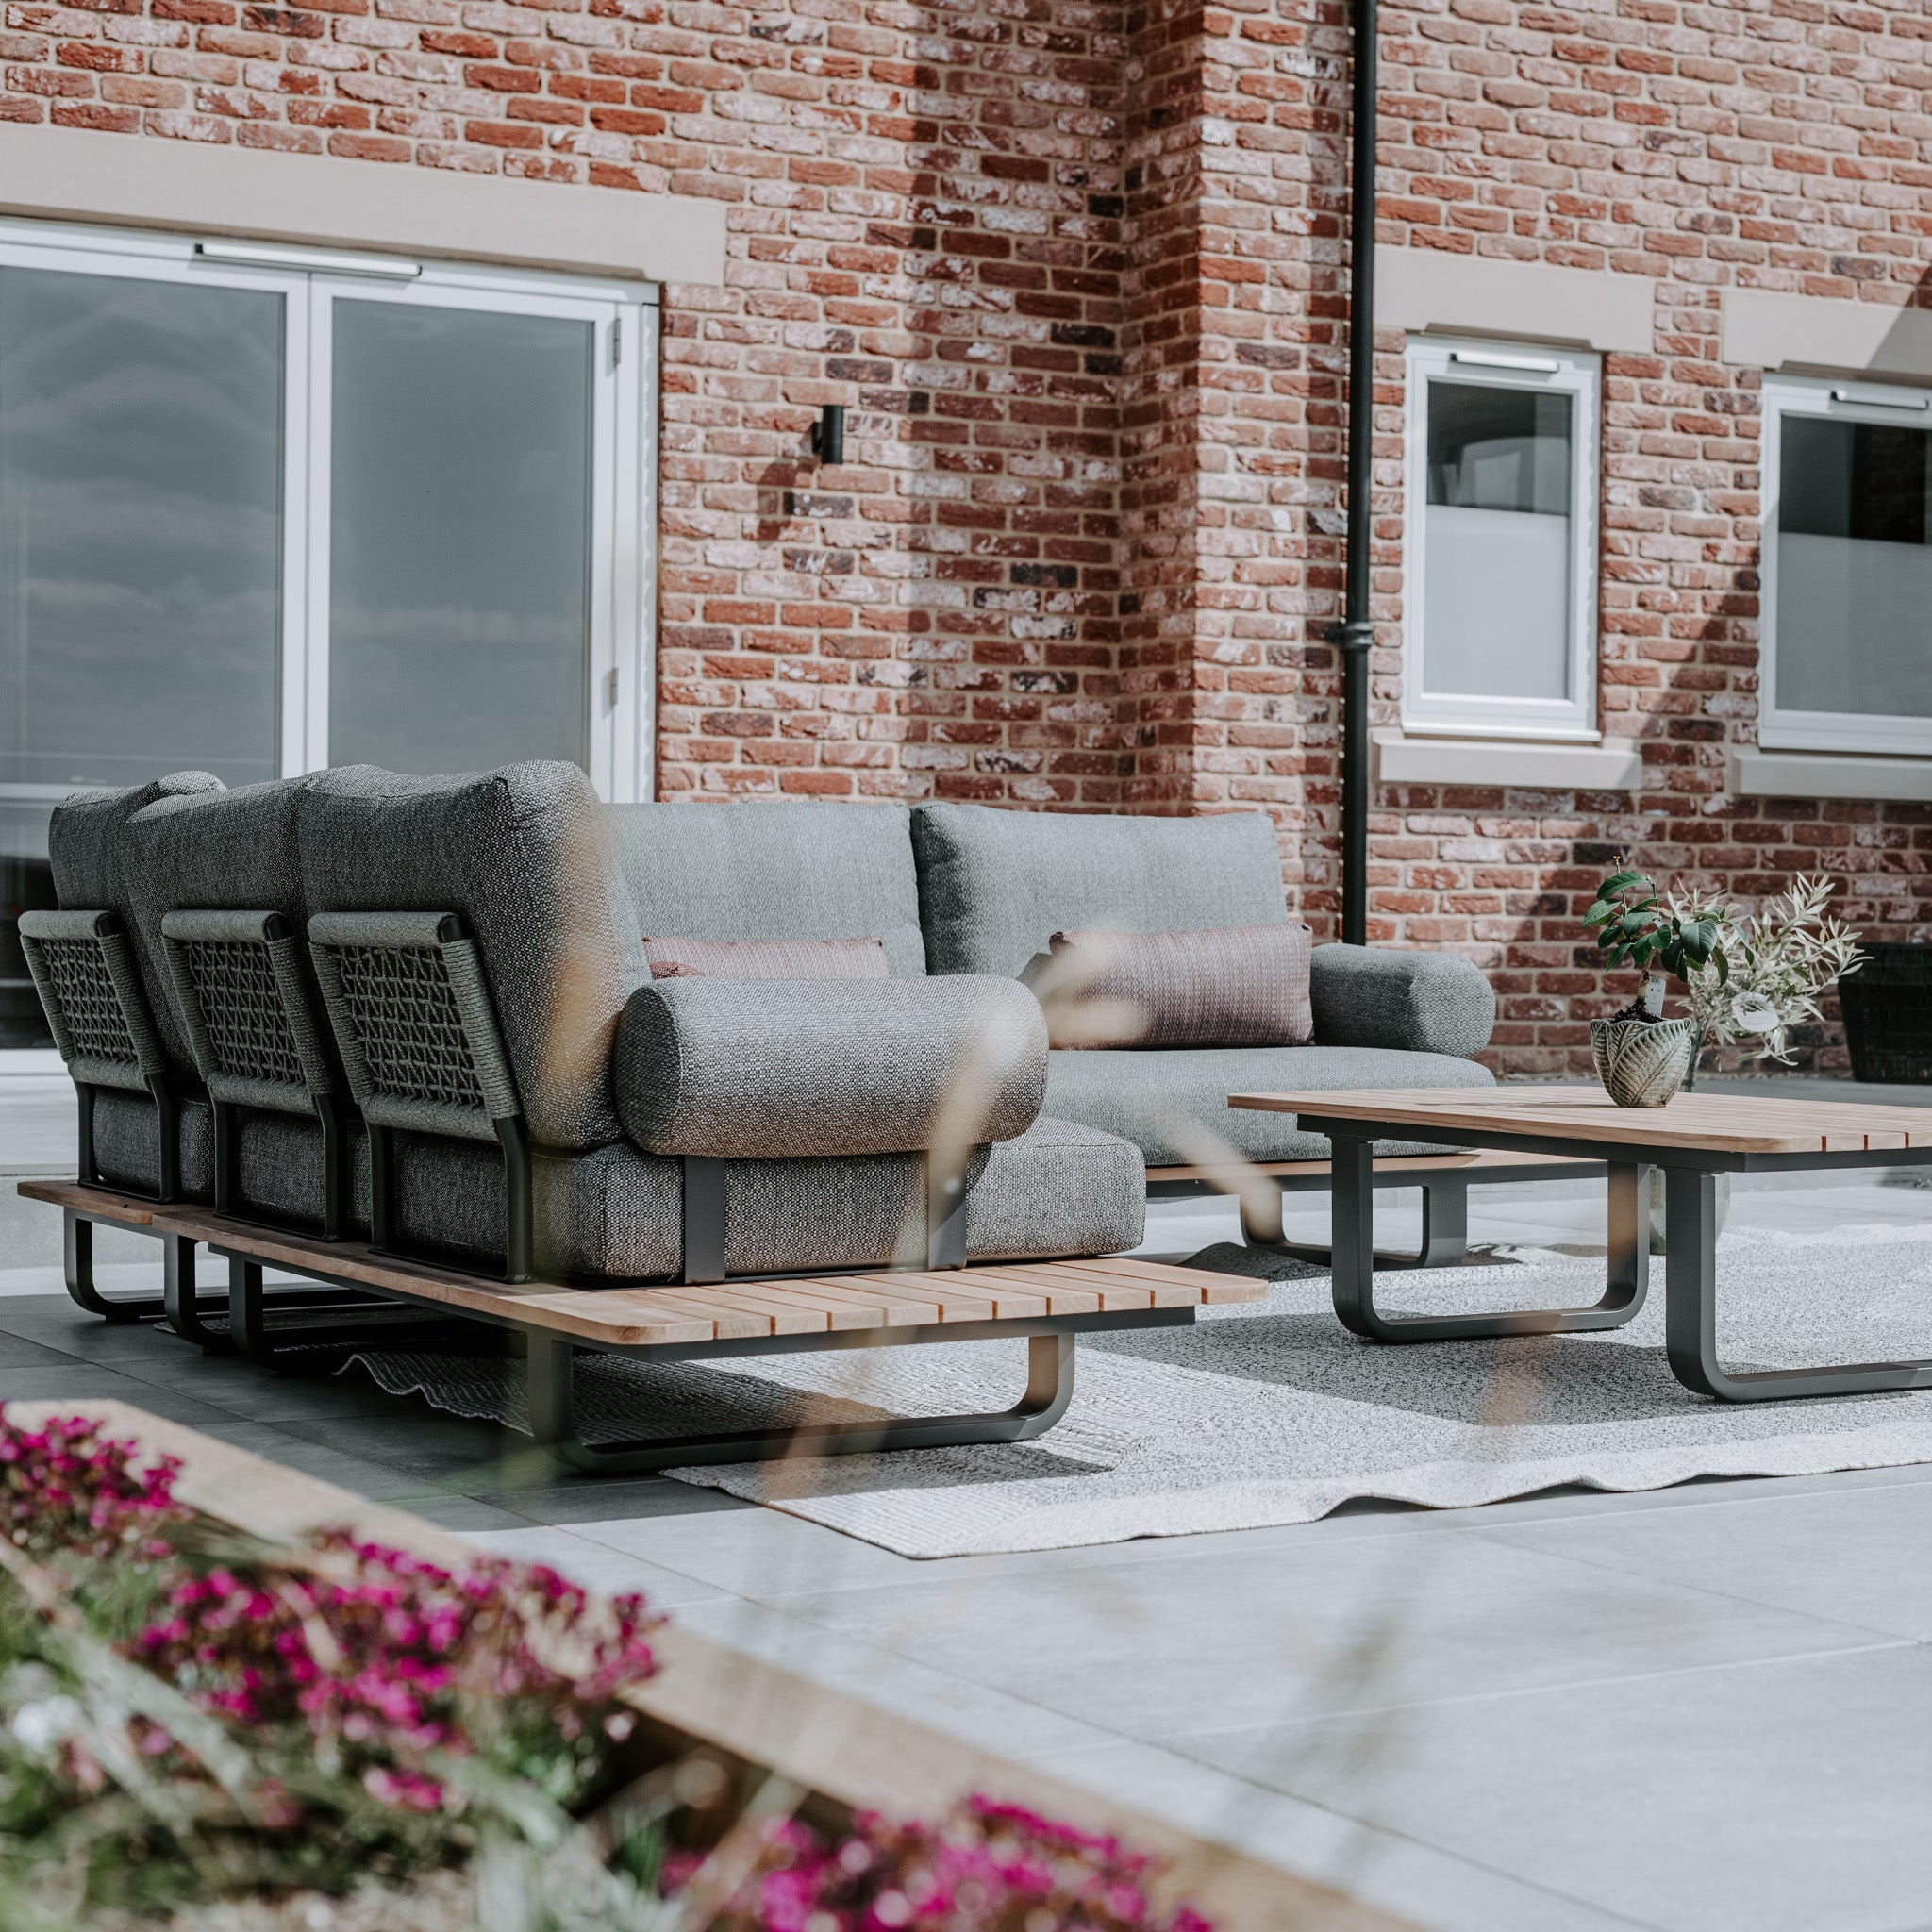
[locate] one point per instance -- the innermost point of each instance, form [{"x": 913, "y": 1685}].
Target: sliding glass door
[{"x": 263, "y": 511}]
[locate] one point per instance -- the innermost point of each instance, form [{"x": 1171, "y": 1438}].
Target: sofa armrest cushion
[
  {"x": 1409, "y": 1002},
  {"x": 767, "y": 1068}
]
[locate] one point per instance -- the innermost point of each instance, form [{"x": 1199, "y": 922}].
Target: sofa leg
[
  {"x": 325, "y": 1328},
  {"x": 77, "y": 1271},
  {"x": 553, "y": 1421},
  {"x": 186, "y": 1307}
]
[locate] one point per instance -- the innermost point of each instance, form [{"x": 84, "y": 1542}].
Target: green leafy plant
[{"x": 1664, "y": 939}]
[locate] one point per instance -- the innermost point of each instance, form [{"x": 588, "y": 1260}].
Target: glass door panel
[
  {"x": 141, "y": 473},
  {"x": 459, "y": 536},
  {"x": 141, "y": 554}
]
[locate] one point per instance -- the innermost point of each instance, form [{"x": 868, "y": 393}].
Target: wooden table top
[{"x": 1723, "y": 1123}]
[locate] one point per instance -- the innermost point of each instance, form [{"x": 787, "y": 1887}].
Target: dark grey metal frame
[
  {"x": 1690, "y": 1338},
  {"x": 1445, "y": 1204},
  {"x": 552, "y": 1360}
]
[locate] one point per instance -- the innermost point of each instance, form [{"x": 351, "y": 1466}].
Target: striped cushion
[
  {"x": 1233, "y": 986},
  {"x": 767, "y": 958}
]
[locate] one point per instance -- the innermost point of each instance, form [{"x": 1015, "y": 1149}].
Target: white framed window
[
  {"x": 265, "y": 509},
  {"x": 1847, "y": 567},
  {"x": 1500, "y": 541}
]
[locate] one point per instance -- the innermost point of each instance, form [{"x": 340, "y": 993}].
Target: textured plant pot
[{"x": 1640, "y": 1062}]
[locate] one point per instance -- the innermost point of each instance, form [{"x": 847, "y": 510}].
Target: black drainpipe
[{"x": 1355, "y": 633}]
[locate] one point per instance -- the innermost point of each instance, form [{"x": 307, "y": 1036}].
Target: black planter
[{"x": 1887, "y": 1006}]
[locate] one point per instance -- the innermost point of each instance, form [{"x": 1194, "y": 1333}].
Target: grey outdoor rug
[{"x": 1273, "y": 1413}]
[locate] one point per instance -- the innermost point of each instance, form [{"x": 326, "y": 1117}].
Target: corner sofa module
[{"x": 994, "y": 886}]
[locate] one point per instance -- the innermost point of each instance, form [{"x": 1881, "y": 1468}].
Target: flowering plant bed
[{"x": 233, "y": 1697}]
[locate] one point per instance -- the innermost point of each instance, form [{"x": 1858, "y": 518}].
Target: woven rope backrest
[
  {"x": 248, "y": 1011},
  {"x": 406, "y": 995},
  {"x": 84, "y": 971}
]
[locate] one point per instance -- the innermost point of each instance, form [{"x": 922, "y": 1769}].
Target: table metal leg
[
  {"x": 1354, "y": 1261},
  {"x": 1690, "y": 1315},
  {"x": 552, "y": 1419},
  {"x": 1445, "y": 1225}
]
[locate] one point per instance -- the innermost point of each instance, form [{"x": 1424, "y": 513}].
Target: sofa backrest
[
  {"x": 774, "y": 871},
  {"x": 994, "y": 886},
  {"x": 87, "y": 842},
  {"x": 228, "y": 851},
  {"x": 525, "y": 856}
]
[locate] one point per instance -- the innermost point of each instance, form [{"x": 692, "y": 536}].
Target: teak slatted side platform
[
  {"x": 1044, "y": 1303},
  {"x": 1702, "y": 1122}
]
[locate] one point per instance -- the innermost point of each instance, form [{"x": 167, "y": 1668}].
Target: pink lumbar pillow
[
  {"x": 767, "y": 958},
  {"x": 1233, "y": 986}
]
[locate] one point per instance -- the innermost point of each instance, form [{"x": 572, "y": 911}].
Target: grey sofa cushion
[
  {"x": 994, "y": 886},
  {"x": 87, "y": 842},
  {"x": 213, "y": 851},
  {"x": 1174, "y": 1105},
  {"x": 524, "y": 855},
  {"x": 1413, "y": 1001},
  {"x": 613, "y": 1214},
  {"x": 792, "y": 1067},
  {"x": 772, "y": 871}
]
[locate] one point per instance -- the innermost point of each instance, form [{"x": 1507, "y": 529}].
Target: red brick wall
[{"x": 1079, "y": 271}]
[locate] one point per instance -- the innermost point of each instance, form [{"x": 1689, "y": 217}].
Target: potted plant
[
  {"x": 1768, "y": 973},
  {"x": 1641, "y": 1057}
]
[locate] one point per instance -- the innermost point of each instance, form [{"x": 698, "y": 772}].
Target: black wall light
[{"x": 828, "y": 434}]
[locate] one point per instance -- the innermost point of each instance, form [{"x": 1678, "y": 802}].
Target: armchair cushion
[
  {"x": 783, "y": 1067},
  {"x": 1405, "y": 1002}
]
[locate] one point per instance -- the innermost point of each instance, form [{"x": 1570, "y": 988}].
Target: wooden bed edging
[{"x": 823, "y": 1739}]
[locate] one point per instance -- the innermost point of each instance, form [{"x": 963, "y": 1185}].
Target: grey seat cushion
[
  {"x": 774, "y": 871},
  {"x": 994, "y": 886},
  {"x": 523, "y": 854},
  {"x": 776, "y": 1067},
  {"x": 1174, "y": 1107},
  {"x": 614, "y": 1214}
]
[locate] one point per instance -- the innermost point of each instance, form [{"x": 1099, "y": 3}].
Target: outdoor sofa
[{"x": 415, "y": 1017}]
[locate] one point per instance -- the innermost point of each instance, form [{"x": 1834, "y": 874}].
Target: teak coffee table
[{"x": 1694, "y": 1138}]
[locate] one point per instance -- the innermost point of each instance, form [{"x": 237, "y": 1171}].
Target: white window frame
[
  {"x": 1534, "y": 369},
  {"x": 1843, "y": 400},
  {"x": 620, "y": 675}
]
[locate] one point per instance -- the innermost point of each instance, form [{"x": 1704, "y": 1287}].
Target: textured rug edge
[{"x": 1434, "y": 1487}]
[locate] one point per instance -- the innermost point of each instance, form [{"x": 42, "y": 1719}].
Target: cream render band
[
  {"x": 1420, "y": 288},
  {"x": 319, "y": 200}
]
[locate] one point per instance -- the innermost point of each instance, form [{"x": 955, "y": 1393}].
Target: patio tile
[
  {"x": 593, "y": 1565},
  {"x": 77, "y": 1381},
  {"x": 980, "y": 1713},
  {"x": 1862, "y": 1554},
  {"x": 575, "y": 1500},
  {"x": 335, "y": 1461},
  {"x": 1154, "y": 1649},
  {"x": 1788, "y": 1798},
  {"x": 1421, "y": 1884}
]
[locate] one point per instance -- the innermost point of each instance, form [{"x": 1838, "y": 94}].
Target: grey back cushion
[
  {"x": 87, "y": 842},
  {"x": 778, "y": 870},
  {"x": 524, "y": 855},
  {"x": 995, "y": 886},
  {"x": 212, "y": 852}
]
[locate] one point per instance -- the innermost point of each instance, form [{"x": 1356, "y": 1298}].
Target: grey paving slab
[
  {"x": 1786, "y": 1798},
  {"x": 17, "y": 1351},
  {"x": 1859, "y": 1553},
  {"x": 339, "y": 1463},
  {"x": 982, "y": 1713},
  {"x": 571, "y": 1500},
  {"x": 41, "y": 1383},
  {"x": 1150, "y": 1650},
  {"x": 1426, "y": 1887},
  {"x": 595, "y": 1565}
]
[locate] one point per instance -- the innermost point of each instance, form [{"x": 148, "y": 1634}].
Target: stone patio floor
[{"x": 1704, "y": 1708}]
